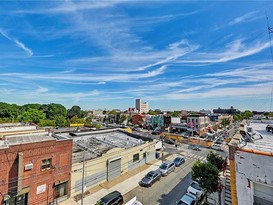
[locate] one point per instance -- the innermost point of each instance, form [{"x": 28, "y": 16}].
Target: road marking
[{"x": 195, "y": 157}]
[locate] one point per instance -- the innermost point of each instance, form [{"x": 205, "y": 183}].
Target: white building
[
  {"x": 142, "y": 107},
  {"x": 251, "y": 160},
  {"x": 97, "y": 112},
  {"x": 197, "y": 123}
]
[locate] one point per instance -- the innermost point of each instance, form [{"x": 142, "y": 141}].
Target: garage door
[
  {"x": 263, "y": 195},
  {"x": 114, "y": 168}
]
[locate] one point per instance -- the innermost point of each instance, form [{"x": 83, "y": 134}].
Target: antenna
[
  {"x": 270, "y": 30},
  {"x": 271, "y": 99}
]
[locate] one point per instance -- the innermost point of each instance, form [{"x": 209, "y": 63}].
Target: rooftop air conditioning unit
[{"x": 28, "y": 167}]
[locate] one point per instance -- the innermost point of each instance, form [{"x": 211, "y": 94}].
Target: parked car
[
  {"x": 269, "y": 128},
  {"x": 187, "y": 199},
  {"x": 114, "y": 198},
  {"x": 178, "y": 161},
  {"x": 169, "y": 141},
  {"x": 196, "y": 148},
  {"x": 196, "y": 190},
  {"x": 166, "y": 167},
  {"x": 150, "y": 178}
]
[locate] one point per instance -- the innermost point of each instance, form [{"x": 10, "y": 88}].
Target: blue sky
[{"x": 105, "y": 54}]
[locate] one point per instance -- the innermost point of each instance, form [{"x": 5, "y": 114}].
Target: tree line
[{"x": 52, "y": 114}]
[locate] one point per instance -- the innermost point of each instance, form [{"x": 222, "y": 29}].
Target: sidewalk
[{"x": 124, "y": 184}]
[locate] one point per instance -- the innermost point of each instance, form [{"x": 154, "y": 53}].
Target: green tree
[
  {"x": 33, "y": 115},
  {"x": 175, "y": 114},
  {"x": 83, "y": 114},
  {"x": 47, "y": 122},
  {"x": 35, "y": 106},
  {"x": 247, "y": 114},
  {"x": 11, "y": 111},
  {"x": 215, "y": 159},
  {"x": 74, "y": 111},
  {"x": 53, "y": 110},
  {"x": 76, "y": 120},
  {"x": 151, "y": 112},
  {"x": 113, "y": 112},
  {"x": 98, "y": 126},
  {"x": 207, "y": 176},
  {"x": 60, "y": 121},
  {"x": 236, "y": 117},
  {"x": 123, "y": 118},
  {"x": 89, "y": 120},
  {"x": 225, "y": 122}
]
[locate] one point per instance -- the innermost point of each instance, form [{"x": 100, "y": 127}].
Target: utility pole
[
  {"x": 83, "y": 172},
  {"x": 162, "y": 139}
]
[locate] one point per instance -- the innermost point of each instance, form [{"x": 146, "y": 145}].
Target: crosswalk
[
  {"x": 197, "y": 157},
  {"x": 219, "y": 146}
]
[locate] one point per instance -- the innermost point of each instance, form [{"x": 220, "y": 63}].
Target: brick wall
[{"x": 33, "y": 153}]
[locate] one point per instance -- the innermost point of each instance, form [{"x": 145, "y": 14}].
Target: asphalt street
[
  {"x": 171, "y": 188},
  {"x": 166, "y": 191}
]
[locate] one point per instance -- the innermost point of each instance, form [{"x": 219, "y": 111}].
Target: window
[
  {"x": 135, "y": 157},
  {"x": 144, "y": 155},
  {"x": 60, "y": 190},
  {"x": 46, "y": 164}
]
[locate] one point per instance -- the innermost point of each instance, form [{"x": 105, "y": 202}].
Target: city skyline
[{"x": 105, "y": 54}]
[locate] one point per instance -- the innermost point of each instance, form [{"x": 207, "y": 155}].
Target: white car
[{"x": 196, "y": 190}]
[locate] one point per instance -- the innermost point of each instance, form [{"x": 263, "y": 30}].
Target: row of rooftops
[{"x": 95, "y": 142}]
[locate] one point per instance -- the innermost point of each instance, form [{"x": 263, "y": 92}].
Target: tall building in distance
[{"x": 142, "y": 107}]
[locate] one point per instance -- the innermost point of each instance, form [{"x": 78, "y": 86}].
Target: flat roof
[
  {"x": 261, "y": 140},
  {"x": 27, "y": 138},
  {"x": 97, "y": 144}
]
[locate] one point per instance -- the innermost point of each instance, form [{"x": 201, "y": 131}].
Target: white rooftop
[{"x": 262, "y": 140}]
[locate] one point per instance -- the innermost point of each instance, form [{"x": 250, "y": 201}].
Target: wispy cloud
[
  {"x": 86, "y": 77},
  {"x": 41, "y": 90},
  {"x": 234, "y": 50},
  {"x": 21, "y": 45},
  {"x": 248, "y": 17},
  {"x": 44, "y": 56},
  {"x": 17, "y": 42},
  {"x": 69, "y": 6}
]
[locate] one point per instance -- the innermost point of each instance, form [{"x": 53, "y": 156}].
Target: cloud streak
[
  {"x": 18, "y": 43},
  {"x": 248, "y": 17},
  {"x": 234, "y": 50}
]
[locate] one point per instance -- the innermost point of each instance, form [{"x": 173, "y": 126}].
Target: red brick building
[
  {"x": 138, "y": 119},
  {"x": 34, "y": 169}
]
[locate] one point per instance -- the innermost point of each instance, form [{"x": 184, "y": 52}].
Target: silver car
[
  {"x": 166, "y": 168},
  {"x": 150, "y": 178}
]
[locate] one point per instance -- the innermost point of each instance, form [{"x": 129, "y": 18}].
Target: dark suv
[
  {"x": 114, "y": 198},
  {"x": 269, "y": 128}
]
